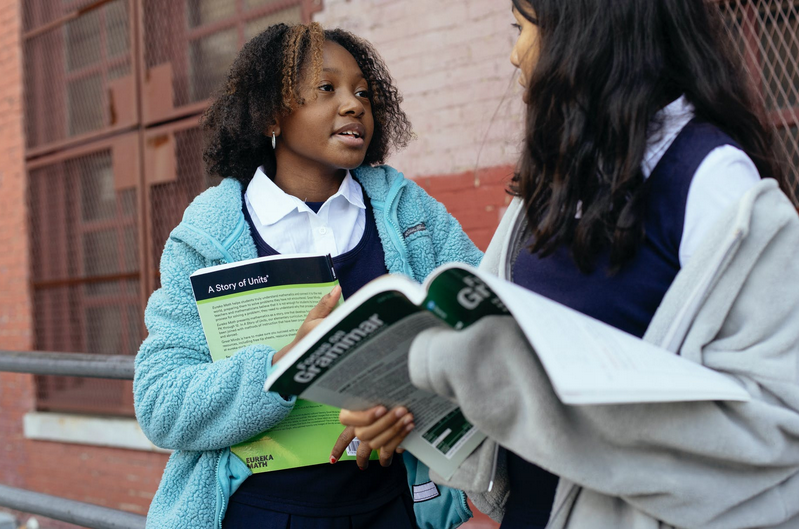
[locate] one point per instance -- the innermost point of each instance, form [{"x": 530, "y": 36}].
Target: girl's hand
[
  {"x": 314, "y": 318},
  {"x": 346, "y": 437},
  {"x": 379, "y": 428}
]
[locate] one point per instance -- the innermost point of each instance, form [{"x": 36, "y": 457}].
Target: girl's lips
[{"x": 350, "y": 140}]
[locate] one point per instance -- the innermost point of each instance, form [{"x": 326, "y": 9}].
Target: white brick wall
[{"x": 450, "y": 61}]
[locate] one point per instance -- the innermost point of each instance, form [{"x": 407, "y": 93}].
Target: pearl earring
[{"x": 274, "y": 140}]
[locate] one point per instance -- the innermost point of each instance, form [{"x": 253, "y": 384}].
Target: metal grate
[
  {"x": 767, "y": 35},
  {"x": 190, "y": 44},
  {"x": 77, "y": 74},
  {"x": 100, "y": 210},
  {"x": 86, "y": 274},
  {"x": 185, "y": 179},
  {"x": 38, "y": 13}
]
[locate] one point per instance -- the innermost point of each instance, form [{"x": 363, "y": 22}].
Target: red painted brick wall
[
  {"x": 476, "y": 198},
  {"x": 16, "y": 391},
  {"x": 121, "y": 479}
]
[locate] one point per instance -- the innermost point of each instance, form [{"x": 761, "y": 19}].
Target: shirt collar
[
  {"x": 670, "y": 119},
  {"x": 351, "y": 191},
  {"x": 271, "y": 204}
]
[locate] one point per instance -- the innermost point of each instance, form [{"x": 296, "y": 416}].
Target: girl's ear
[{"x": 274, "y": 127}]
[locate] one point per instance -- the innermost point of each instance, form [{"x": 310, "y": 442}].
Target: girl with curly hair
[{"x": 298, "y": 134}]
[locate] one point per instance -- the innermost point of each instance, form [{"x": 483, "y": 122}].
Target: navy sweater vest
[
  {"x": 626, "y": 300},
  {"x": 329, "y": 490}
]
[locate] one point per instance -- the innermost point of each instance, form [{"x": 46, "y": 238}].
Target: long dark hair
[
  {"x": 265, "y": 82},
  {"x": 604, "y": 70}
]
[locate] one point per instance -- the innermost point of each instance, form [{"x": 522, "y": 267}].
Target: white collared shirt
[
  {"x": 722, "y": 178},
  {"x": 288, "y": 225}
]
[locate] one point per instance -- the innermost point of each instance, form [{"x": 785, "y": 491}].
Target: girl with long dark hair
[{"x": 648, "y": 196}]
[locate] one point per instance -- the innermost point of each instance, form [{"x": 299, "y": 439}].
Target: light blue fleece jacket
[{"x": 198, "y": 408}]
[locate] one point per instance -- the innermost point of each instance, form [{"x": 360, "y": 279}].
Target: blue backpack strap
[{"x": 435, "y": 506}]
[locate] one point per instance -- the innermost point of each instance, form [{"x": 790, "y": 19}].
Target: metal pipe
[
  {"x": 67, "y": 364},
  {"x": 75, "y": 512}
]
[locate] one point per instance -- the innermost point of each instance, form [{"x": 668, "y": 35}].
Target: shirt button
[{"x": 322, "y": 231}]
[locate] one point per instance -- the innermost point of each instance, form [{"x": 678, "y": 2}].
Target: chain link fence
[
  {"x": 84, "y": 250},
  {"x": 114, "y": 160},
  {"x": 189, "y": 45},
  {"x": 184, "y": 178},
  {"x": 767, "y": 35},
  {"x": 77, "y": 73}
]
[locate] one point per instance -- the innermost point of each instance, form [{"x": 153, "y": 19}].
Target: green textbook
[
  {"x": 358, "y": 356},
  {"x": 264, "y": 301}
]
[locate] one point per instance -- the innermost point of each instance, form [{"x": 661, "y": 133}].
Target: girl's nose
[
  {"x": 514, "y": 57},
  {"x": 351, "y": 105}
]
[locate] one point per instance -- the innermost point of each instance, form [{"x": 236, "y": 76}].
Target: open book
[
  {"x": 264, "y": 301},
  {"x": 357, "y": 357}
]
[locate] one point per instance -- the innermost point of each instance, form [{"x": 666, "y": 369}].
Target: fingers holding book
[
  {"x": 380, "y": 428},
  {"x": 315, "y": 316},
  {"x": 363, "y": 452}
]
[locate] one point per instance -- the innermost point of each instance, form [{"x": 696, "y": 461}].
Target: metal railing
[{"x": 68, "y": 364}]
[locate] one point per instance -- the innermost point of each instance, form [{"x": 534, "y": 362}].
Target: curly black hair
[{"x": 264, "y": 82}]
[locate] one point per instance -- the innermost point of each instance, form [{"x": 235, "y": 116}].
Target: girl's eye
[
  {"x": 363, "y": 93},
  {"x": 327, "y": 87},
  {"x": 517, "y": 27}
]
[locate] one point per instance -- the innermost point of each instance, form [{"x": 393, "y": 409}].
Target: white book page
[
  {"x": 378, "y": 373},
  {"x": 412, "y": 290},
  {"x": 590, "y": 362}
]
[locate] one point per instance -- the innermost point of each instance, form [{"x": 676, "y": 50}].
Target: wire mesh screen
[
  {"x": 85, "y": 259},
  {"x": 77, "y": 74},
  {"x": 37, "y": 13},
  {"x": 767, "y": 35},
  {"x": 85, "y": 214},
  {"x": 188, "y": 179},
  {"x": 189, "y": 45}
]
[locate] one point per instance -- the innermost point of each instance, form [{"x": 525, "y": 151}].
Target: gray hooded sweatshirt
[{"x": 733, "y": 308}]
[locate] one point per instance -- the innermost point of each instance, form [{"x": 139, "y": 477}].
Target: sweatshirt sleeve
[
  {"x": 689, "y": 464},
  {"x": 183, "y": 400},
  {"x": 696, "y": 464}
]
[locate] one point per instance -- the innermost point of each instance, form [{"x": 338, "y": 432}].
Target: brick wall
[
  {"x": 121, "y": 479},
  {"x": 476, "y": 198},
  {"x": 450, "y": 61},
  {"x": 16, "y": 391}
]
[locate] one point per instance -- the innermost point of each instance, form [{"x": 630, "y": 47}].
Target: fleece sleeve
[
  {"x": 182, "y": 399},
  {"x": 450, "y": 241}
]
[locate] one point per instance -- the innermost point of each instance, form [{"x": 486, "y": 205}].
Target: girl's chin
[
  {"x": 348, "y": 163},
  {"x": 350, "y": 160},
  {"x": 525, "y": 97}
]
